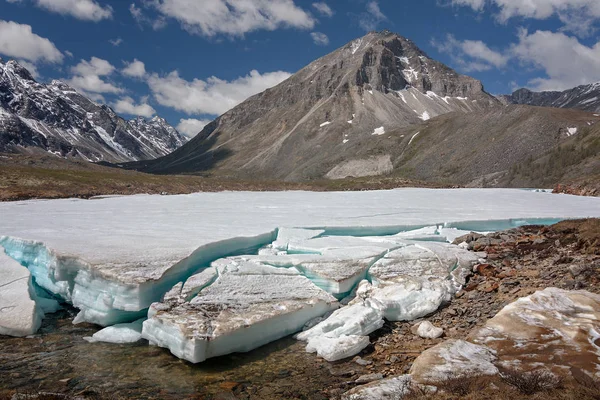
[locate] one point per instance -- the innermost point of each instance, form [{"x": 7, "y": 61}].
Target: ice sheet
[{"x": 113, "y": 257}]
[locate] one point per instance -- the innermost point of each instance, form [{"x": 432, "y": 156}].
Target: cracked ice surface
[
  {"x": 335, "y": 264},
  {"x": 113, "y": 257},
  {"x": 245, "y": 308}
]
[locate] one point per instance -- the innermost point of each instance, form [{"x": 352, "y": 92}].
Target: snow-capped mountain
[
  {"x": 58, "y": 119},
  {"x": 584, "y": 97}
]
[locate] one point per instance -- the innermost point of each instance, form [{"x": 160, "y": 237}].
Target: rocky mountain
[
  {"x": 57, "y": 119},
  {"x": 585, "y": 97},
  {"x": 341, "y": 105}
]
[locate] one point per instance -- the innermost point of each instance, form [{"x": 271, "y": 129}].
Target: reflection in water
[{"x": 58, "y": 359}]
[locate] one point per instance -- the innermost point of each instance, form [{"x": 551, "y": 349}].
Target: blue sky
[{"x": 191, "y": 60}]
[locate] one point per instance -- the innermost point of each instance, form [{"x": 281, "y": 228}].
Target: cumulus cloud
[
  {"x": 19, "y": 41},
  {"x": 320, "y": 39},
  {"x": 213, "y": 96},
  {"x": 88, "y": 77},
  {"x": 578, "y": 16},
  {"x": 142, "y": 19},
  {"x": 231, "y": 17},
  {"x": 566, "y": 62},
  {"x": 191, "y": 127},
  {"x": 127, "y": 105},
  {"x": 373, "y": 17},
  {"x": 471, "y": 55},
  {"x": 323, "y": 9},
  {"x": 88, "y": 10},
  {"x": 134, "y": 69}
]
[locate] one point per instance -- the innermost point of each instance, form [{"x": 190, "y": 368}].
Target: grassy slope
[{"x": 25, "y": 177}]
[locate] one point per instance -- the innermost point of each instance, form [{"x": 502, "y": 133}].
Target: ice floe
[
  {"x": 344, "y": 333},
  {"x": 240, "y": 311},
  {"x": 120, "y": 333}
]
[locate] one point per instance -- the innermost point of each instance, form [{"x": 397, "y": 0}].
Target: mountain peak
[
  {"x": 342, "y": 102},
  {"x": 17, "y": 69}
]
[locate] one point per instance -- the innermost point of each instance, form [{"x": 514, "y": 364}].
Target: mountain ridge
[
  {"x": 57, "y": 119},
  {"x": 583, "y": 97}
]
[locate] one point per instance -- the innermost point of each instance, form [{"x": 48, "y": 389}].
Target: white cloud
[
  {"x": 319, "y": 38},
  {"x": 142, "y": 19},
  {"x": 116, "y": 42},
  {"x": 126, "y": 105},
  {"x": 213, "y": 96},
  {"x": 87, "y": 77},
  {"x": 191, "y": 127},
  {"x": 134, "y": 69},
  {"x": 373, "y": 17},
  {"x": 88, "y": 10},
  {"x": 471, "y": 55},
  {"x": 323, "y": 9},
  {"x": 578, "y": 16},
  {"x": 566, "y": 62},
  {"x": 19, "y": 41},
  {"x": 68, "y": 53},
  {"x": 31, "y": 68},
  {"x": 234, "y": 17}
]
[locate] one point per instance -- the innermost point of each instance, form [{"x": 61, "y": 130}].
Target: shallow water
[{"x": 280, "y": 370}]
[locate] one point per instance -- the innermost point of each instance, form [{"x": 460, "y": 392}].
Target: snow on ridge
[
  {"x": 325, "y": 124},
  {"x": 356, "y": 45},
  {"x": 571, "y": 131},
  {"x": 379, "y": 131},
  {"x": 425, "y": 116},
  {"x": 413, "y": 138}
]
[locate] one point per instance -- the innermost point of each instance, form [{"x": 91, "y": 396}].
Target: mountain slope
[
  {"x": 57, "y": 119},
  {"x": 585, "y": 97},
  {"x": 302, "y": 128},
  {"x": 514, "y": 146}
]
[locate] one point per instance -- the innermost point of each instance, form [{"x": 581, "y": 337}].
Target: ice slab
[
  {"x": 416, "y": 279},
  {"x": 113, "y": 257},
  {"x": 119, "y": 333},
  {"x": 344, "y": 333},
  {"x": 337, "y": 348},
  {"x": 427, "y": 330},
  {"x": 240, "y": 311},
  {"x": 19, "y": 314}
]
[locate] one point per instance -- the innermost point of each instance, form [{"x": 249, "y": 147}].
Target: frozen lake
[
  {"x": 158, "y": 231},
  {"x": 113, "y": 258}
]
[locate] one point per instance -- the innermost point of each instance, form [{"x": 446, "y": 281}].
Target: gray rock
[{"x": 368, "y": 378}]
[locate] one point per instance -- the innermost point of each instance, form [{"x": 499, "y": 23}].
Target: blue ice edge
[{"x": 107, "y": 302}]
